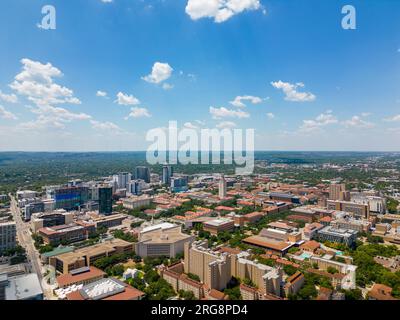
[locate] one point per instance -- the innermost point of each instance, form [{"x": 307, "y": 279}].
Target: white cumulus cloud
[
  {"x": 37, "y": 83},
  {"x": 167, "y": 86},
  {"x": 160, "y": 72},
  {"x": 105, "y": 126},
  {"x": 126, "y": 100},
  {"x": 358, "y": 122},
  {"x": 226, "y": 125},
  {"x": 139, "y": 113},
  {"x": 100, "y": 93},
  {"x": 4, "y": 114},
  {"x": 10, "y": 98},
  {"x": 238, "y": 101},
  {"x": 223, "y": 112},
  {"x": 219, "y": 10},
  {"x": 270, "y": 115},
  {"x": 393, "y": 118},
  {"x": 322, "y": 120},
  {"x": 190, "y": 125},
  {"x": 291, "y": 92}
]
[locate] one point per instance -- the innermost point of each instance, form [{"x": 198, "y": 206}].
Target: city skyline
[{"x": 112, "y": 70}]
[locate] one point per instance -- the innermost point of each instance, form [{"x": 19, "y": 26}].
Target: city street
[{"x": 26, "y": 241}]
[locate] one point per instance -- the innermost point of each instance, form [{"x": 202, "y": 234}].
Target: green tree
[
  {"x": 332, "y": 270},
  {"x": 186, "y": 295},
  {"x": 194, "y": 277},
  {"x": 289, "y": 269},
  {"x": 353, "y": 294}
]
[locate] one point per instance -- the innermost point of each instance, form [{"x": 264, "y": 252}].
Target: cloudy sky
[{"x": 114, "y": 69}]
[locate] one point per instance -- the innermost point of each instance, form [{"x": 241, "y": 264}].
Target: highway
[{"x": 26, "y": 241}]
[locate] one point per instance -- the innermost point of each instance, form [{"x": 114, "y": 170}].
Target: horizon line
[{"x": 144, "y": 151}]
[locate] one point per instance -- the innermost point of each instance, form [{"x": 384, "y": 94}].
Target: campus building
[
  {"x": 66, "y": 233},
  {"x": 215, "y": 268},
  {"x": 294, "y": 283},
  {"x": 85, "y": 257},
  {"x": 218, "y": 225},
  {"x": 358, "y": 210},
  {"x": 345, "y": 278},
  {"x": 51, "y": 219},
  {"x": 352, "y": 224},
  {"x": 108, "y": 221},
  {"x": 332, "y": 234},
  {"x": 136, "y": 202},
  {"x": 165, "y": 239},
  {"x": 84, "y": 275},
  {"x": 106, "y": 289}
]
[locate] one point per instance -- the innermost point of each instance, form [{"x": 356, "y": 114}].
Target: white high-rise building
[
  {"x": 122, "y": 179},
  {"x": 222, "y": 188}
]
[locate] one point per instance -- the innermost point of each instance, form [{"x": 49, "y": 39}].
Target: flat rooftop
[
  {"x": 96, "y": 249},
  {"x": 106, "y": 289},
  {"x": 162, "y": 226},
  {"x": 79, "y": 275},
  {"x": 218, "y": 222},
  {"x": 337, "y": 231},
  {"x": 268, "y": 243},
  {"x": 23, "y": 287}
]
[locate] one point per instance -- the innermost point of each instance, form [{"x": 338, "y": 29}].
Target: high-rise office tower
[
  {"x": 179, "y": 184},
  {"x": 105, "y": 200},
  {"x": 136, "y": 187},
  {"x": 222, "y": 188},
  {"x": 167, "y": 173},
  {"x": 142, "y": 173},
  {"x": 123, "y": 179}
]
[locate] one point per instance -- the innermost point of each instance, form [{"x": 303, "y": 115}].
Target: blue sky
[{"x": 307, "y": 83}]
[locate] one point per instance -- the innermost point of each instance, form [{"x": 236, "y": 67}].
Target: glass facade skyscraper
[
  {"x": 142, "y": 173},
  {"x": 105, "y": 200}
]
